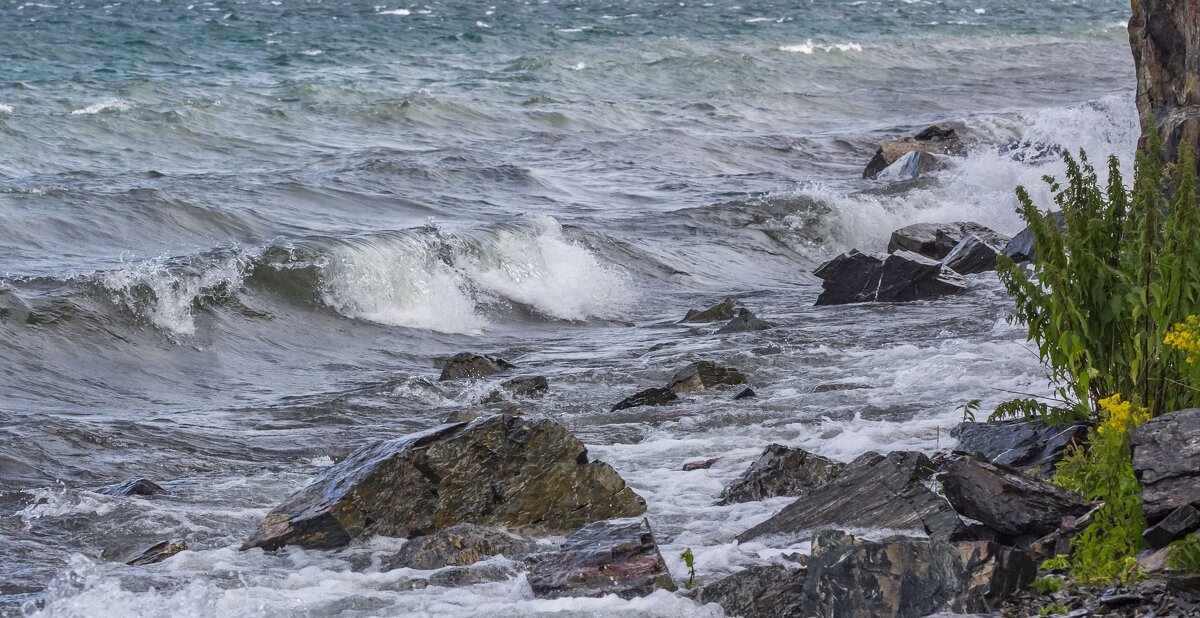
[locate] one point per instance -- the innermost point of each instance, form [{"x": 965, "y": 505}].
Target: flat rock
[
  {"x": 972, "y": 255},
  {"x": 1018, "y": 507},
  {"x": 757, "y": 592},
  {"x": 744, "y": 322},
  {"x": 459, "y": 545},
  {"x": 503, "y": 470},
  {"x": 133, "y": 487},
  {"x": 470, "y": 365},
  {"x": 607, "y": 557},
  {"x": 701, "y": 376},
  {"x": 937, "y": 139},
  {"x": 720, "y": 312},
  {"x": 1181, "y": 522},
  {"x": 658, "y": 396},
  {"x": 937, "y": 240},
  {"x": 700, "y": 465},
  {"x": 1166, "y": 460},
  {"x": 158, "y": 552},
  {"x": 781, "y": 471},
  {"x": 1026, "y": 445}
]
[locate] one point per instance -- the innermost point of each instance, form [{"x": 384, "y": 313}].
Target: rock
[
  {"x": 971, "y": 256},
  {"x": 885, "y": 492},
  {"x": 469, "y": 576},
  {"x": 468, "y": 365},
  {"x": 938, "y": 139},
  {"x": 937, "y": 240},
  {"x": 903, "y": 276},
  {"x": 459, "y": 545},
  {"x": 1018, "y": 507},
  {"x": 744, "y": 322},
  {"x": 700, "y": 465},
  {"x": 502, "y": 470},
  {"x": 1166, "y": 43},
  {"x": 1020, "y": 248},
  {"x": 849, "y": 278},
  {"x": 1178, "y": 524},
  {"x": 158, "y": 552},
  {"x": 701, "y": 376},
  {"x": 607, "y": 557},
  {"x": 462, "y": 416},
  {"x": 757, "y": 592},
  {"x": 529, "y": 387},
  {"x": 133, "y": 487},
  {"x": 780, "y": 471},
  {"x": 1025, "y": 445},
  {"x": 649, "y": 397},
  {"x": 1166, "y": 452},
  {"x": 717, "y": 313},
  {"x": 831, "y": 387},
  {"x": 911, "y": 165},
  {"x": 745, "y": 393}
]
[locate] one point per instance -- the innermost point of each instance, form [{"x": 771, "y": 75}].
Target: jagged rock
[
  {"x": 937, "y": 240},
  {"x": 781, "y": 471},
  {"x": 1166, "y": 459},
  {"x": 606, "y": 557},
  {"x": 499, "y": 471},
  {"x": 1166, "y": 43},
  {"x": 701, "y": 376},
  {"x": 938, "y": 139},
  {"x": 1020, "y": 248},
  {"x": 459, "y": 545},
  {"x": 133, "y": 487},
  {"x": 528, "y": 387},
  {"x": 757, "y": 592},
  {"x": 469, "y": 365},
  {"x": 911, "y": 165},
  {"x": 1018, "y": 507},
  {"x": 849, "y": 278},
  {"x": 158, "y": 552},
  {"x": 1178, "y": 524},
  {"x": 903, "y": 276},
  {"x": 745, "y": 393},
  {"x": 700, "y": 465},
  {"x": 744, "y": 322},
  {"x": 886, "y": 492},
  {"x": 717, "y": 313},
  {"x": 659, "y": 396},
  {"x": 1025, "y": 445},
  {"x": 972, "y": 256}
]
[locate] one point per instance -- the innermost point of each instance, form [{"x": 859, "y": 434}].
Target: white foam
[
  {"x": 60, "y": 501},
  {"x": 107, "y": 105},
  {"x": 173, "y": 291},
  {"x": 396, "y": 12},
  {"x": 313, "y": 52},
  {"x": 809, "y": 48},
  {"x": 6, "y": 109}
]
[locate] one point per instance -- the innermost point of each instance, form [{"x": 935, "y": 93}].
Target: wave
[
  {"x": 809, "y": 48},
  {"x": 107, "y": 105}
]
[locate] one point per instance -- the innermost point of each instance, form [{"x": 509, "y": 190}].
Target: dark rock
[
  {"x": 745, "y": 393},
  {"x": 158, "y": 552},
  {"x": 649, "y": 397},
  {"x": 607, "y": 557},
  {"x": 938, "y": 139},
  {"x": 849, "y": 278},
  {"x": 462, "y": 416},
  {"x": 757, "y": 592},
  {"x": 499, "y": 471},
  {"x": 1166, "y": 43},
  {"x": 1025, "y": 445},
  {"x": 468, "y": 365},
  {"x": 133, "y": 487},
  {"x": 701, "y": 376},
  {"x": 717, "y": 313},
  {"x": 903, "y": 276},
  {"x": 1020, "y": 248},
  {"x": 1007, "y": 501},
  {"x": 1178, "y": 524},
  {"x": 469, "y": 576},
  {"x": 830, "y": 387},
  {"x": 459, "y": 545},
  {"x": 529, "y": 387},
  {"x": 912, "y": 165},
  {"x": 885, "y": 492},
  {"x": 937, "y": 240},
  {"x": 700, "y": 465},
  {"x": 1166, "y": 452},
  {"x": 972, "y": 256},
  {"x": 743, "y": 323},
  {"x": 781, "y": 471}
]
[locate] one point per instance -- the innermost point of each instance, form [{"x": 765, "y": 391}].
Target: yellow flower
[
  {"x": 1121, "y": 417},
  {"x": 1185, "y": 337}
]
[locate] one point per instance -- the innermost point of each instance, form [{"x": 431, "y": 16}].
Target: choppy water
[{"x": 235, "y": 236}]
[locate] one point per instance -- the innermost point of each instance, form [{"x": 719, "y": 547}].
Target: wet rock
[
  {"x": 903, "y": 276},
  {"x": 133, "y": 487},
  {"x": 912, "y": 165},
  {"x": 1020, "y": 248},
  {"x": 744, "y": 322},
  {"x": 745, "y": 393},
  {"x": 459, "y": 545},
  {"x": 937, "y": 240},
  {"x": 781, "y": 471},
  {"x": 503, "y": 470},
  {"x": 700, "y": 465},
  {"x": 607, "y": 557},
  {"x": 527, "y": 387},
  {"x": 649, "y": 397},
  {"x": 720, "y": 312},
  {"x": 886, "y": 492},
  {"x": 1165, "y": 44},
  {"x": 972, "y": 256},
  {"x": 938, "y": 139},
  {"x": 701, "y": 376},
  {"x": 757, "y": 592},
  {"x": 1028, "y": 446},
  {"x": 1166, "y": 459},
  {"x": 158, "y": 552},
  {"x": 469, "y": 576},
  {"x": 1178, "y": 524},
  {"x": 462, "y": 416},
  {"x": 1018, "y": 507},
  {"x": 830, "y": 387},
  {"x": 849, "y": 278},
  {"x": 469, "y": 365}
]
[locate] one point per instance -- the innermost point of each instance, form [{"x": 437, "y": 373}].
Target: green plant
[
  {"x": 1058, "y": 609},
  {"x": 1185, "y": 555},
  {"x": 969, "y": 409},
  {"x": 1030, "y": 409},
  {"x": 690, "y": 560},
  {"x": 1046, "y": 585},
  {"x": 1056, "y": 563}
]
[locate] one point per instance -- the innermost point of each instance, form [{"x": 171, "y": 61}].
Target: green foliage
[
  {"x": 1046, "y": 585},
  {"x": 690, "y": 560},
  {"x": 969, "y": 409},
  {"x": 1030, "y": 409},
  {"x": 1056, "y": 563},
  {"x": 1185, "y": 555},
  {"x": 1058, "y": 609}
]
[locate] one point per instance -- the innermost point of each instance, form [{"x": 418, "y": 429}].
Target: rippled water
[{"x": 237, "y": 236}]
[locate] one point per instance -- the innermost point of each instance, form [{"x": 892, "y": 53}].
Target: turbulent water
[{"x": 237, "y": 236}]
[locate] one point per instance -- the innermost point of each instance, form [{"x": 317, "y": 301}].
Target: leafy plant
[
  {"x": 1046, "y": 585},
  {"x": 1030, "y": 409},
  {"x": 969, "y": 409},
  {"x": 690, "y": 560},
  {"x": 1058, "y": 609},
  {"x": 1185, "y": 555}
]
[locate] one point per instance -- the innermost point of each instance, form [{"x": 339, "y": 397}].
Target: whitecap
[
  {"x": 6, "y": 109},
  {"x": 107, "y": 105},
  {"x": 396, "y": 12},
  {"x": 809, "y": 48},
  {"x": 312, "y": 52}
]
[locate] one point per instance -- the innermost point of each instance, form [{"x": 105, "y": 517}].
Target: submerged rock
[
  {"x": 972, "y": 256},
  {"x": 938, "y": 139},
  {"x": 744, "y": 322},
  {"x": 1016, "y": 506},
  {"x": 1181, "y": 522},
  {"x": 133, "y": 487},
  {"x": 937, "y": 240},
  {"x": 757, "y": 592},
  {"x": 912, "y": 165},
  {"x": 1026, "y": 445},
  {"x": 720, "y": 312},
  {"x": 701, "y": 376},
  {"x": 470, "y": 365},
  {"x": 499, "y": 471},
  {"x": 459, "y": 545},
  {"x": 745, "y": 393},
  {"x": 700, "y": 465},
  {"x": 658, "y": 396},
  {"x": 1166, "y": 459},
  {"x": 158, "y": 552},
  {"x": 781, "y": 471},
  {"x": 607, "y": 557},
  {"x": 527, "y": 387},
  {"x": 903, "y": 276}
]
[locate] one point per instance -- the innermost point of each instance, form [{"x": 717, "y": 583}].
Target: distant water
[{"x": 236, "y": 236}]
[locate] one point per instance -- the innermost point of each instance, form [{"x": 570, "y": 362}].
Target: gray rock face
[
  {"x": 659, "y": 396},
  {"x": 938, "y": 139},
  {"x": 717, "y": 313},
  {"x": 1025, "y": 445},
  {"x": 1020, "y": 508},
  {"x": 459, "y": 545},
  {"x": 133, "y": 487},
  {"x": 873, "y": 491},
  {"x": 1181, "y": 522},
  {"x": 1165, "y": 44},
  {"x": 744, "y": 322},
  {"x": 502, "y": 470},
  {"x": 1166, "y": 459},
  {"x": 781, "y": 471},
  {"x": 903, "y": 276},
  {"x": 937, "y": 240},
  {"x": 607, "y": 557},
  {"x": 701, "y": 376},
  {"x": 469, "y": 365},
  {"x": 757, "y": 592},
  {"x": 972, "y": 256}
]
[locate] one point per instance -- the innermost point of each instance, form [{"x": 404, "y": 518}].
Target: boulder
[
  {"x": 938, "y": 139},
  {"x": 1181, "y": 522},
  {"x": 527, "y": 387},
  {"x": 971, "y": 256},
  {"x": 744, "y": 322},
  {"x": 607, "y": 557},
  {"x": 937, "y": 240},
  {"x": 701, "y": 376},
  {"x": 757, "y": 592},
  {"x": 1166, "y": 460},
  {"x": 886, "y": 492},
  {"x": 849, "y": 278},
  {"x": 703, "y": 464},
  {"x": 911, "y": 165},
  {"x": 781, "y": 471},
  {"x": 659, "y": 396},
  {"x": 717, "y": 313},
  {"x": 1020, "y": 248},
  {"x": 158, "y": 552},
  {"x": 1026, "y": 445},
  {"x": 1166, "y": 44},
  {"x": 469, "y": 365},
  {"x": 1019, "y": 508},
  {"x": 459, "y": 545},
  {"x": 903, "y": 276},
  {"x": 133, "y": 487},
  {"x": 501, "y": 470},
  {"x": 745, "y": 393}
]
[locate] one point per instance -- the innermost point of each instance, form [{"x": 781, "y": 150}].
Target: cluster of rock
[
  {"x": 695, "y": 378},
  {"x": 737, "y": 319},
  {"x": 914, "y": 156}
]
